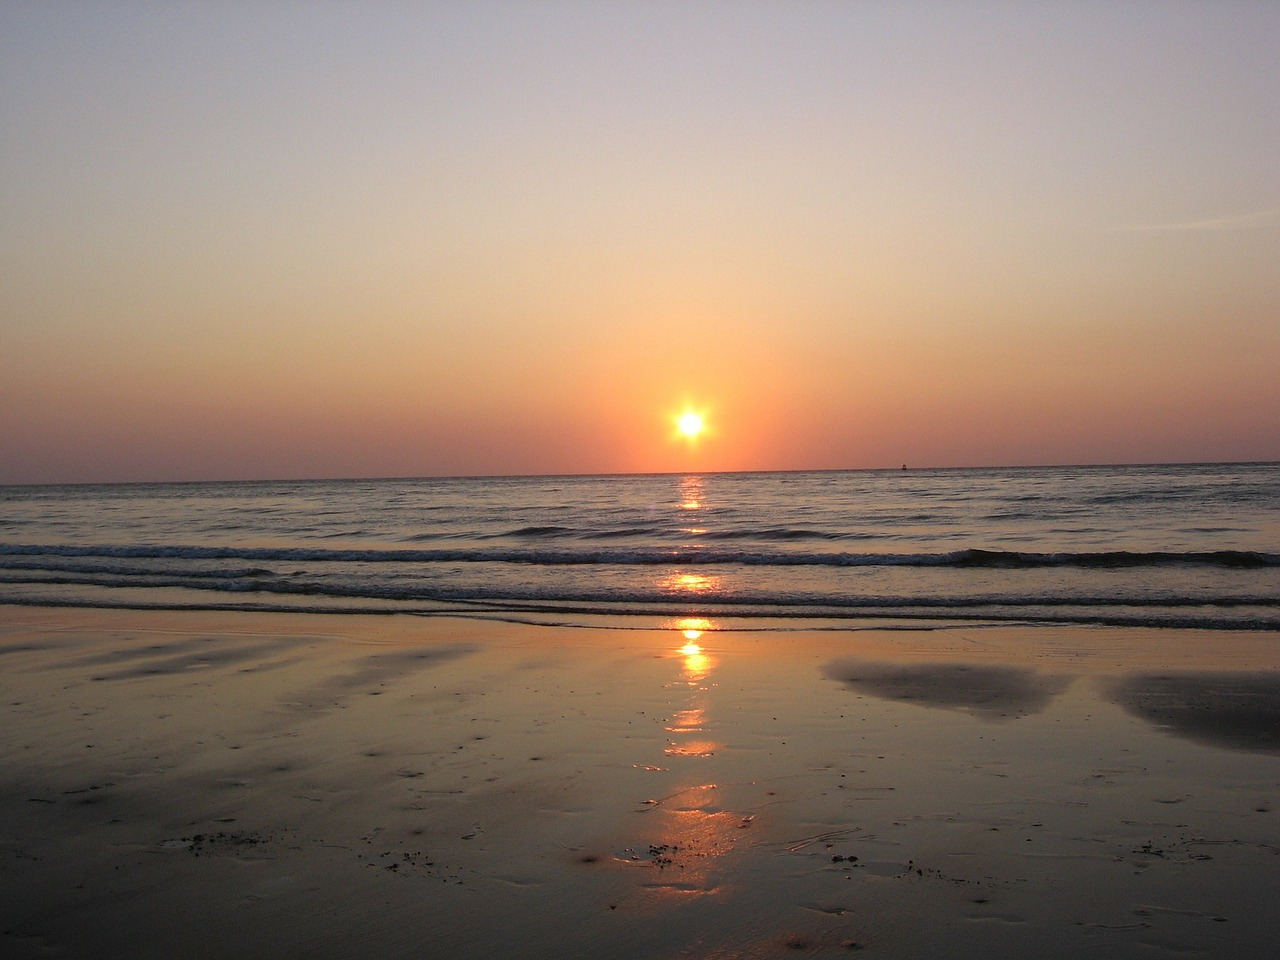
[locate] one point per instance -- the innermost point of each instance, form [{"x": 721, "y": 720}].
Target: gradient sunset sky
[{"x": 325, "y": 239}]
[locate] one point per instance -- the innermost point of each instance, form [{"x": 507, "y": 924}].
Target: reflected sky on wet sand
[
  {"x": 988, "y": 691},
  {"x": 1232, "y": 710}
]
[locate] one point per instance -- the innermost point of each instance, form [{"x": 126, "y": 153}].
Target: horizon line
[{"x": 905, "y": 468}]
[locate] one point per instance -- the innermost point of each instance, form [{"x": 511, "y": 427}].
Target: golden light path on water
[
  {"x": 694, "y": 583},
  {"x": 692, "y": 501},
  {"x": 691, "y": 493}
]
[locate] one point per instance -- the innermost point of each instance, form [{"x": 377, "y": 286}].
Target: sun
[{"x": 690, "y": 425}]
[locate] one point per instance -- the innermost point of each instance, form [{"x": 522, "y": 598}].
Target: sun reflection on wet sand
[
  {"x": 690, "y": 831},
  {"x": 692, "y": 719},
  {"x": 693, "y": 628},
  {"x": 693, "y": 835},
  {"x": 697, "y": 662}
]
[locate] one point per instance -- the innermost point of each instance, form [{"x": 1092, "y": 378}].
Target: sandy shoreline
[{"x": 231, "y": 784}]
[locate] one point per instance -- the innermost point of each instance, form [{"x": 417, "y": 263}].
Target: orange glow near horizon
[{"x": 541, "y": 284}]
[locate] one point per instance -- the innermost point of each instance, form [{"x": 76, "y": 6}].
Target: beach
[
  {"x": 215, "y": 783},
  {"x": 639, "y": 481}
]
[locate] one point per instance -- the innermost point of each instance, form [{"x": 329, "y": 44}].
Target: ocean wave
[
  {"x": 534, "y": 532},
  {"x": 679, "y": 556},
  {"x": 670, "y": 532},
  {"x": 823, "y": 616},
  {"x": 628, "y": 533},
  {"x": 781, "y": 534},
  {"x": 780, "y": 596},
  {"x": 112, "y": 567}
]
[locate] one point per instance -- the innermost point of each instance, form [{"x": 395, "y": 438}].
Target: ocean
[{"x": 1187, "y": 546}]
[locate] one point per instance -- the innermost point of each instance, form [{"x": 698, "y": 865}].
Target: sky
[{"x": 332, "y": 239}]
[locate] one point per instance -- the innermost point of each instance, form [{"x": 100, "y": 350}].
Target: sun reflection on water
[
  {"x": 695, "y": 583},
  {"x": 691, "y": 493}
]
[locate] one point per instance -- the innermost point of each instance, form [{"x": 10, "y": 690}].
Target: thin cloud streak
[{"x": 1242, "y": 221}]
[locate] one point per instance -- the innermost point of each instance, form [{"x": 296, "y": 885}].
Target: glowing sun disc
[{"x": 690, "y": 424}]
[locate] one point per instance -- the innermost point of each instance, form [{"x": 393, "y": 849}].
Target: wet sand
[{"x": 245, "y": 785}]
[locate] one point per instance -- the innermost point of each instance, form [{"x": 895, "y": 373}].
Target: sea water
[{"x": 1184, "y": 546}]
